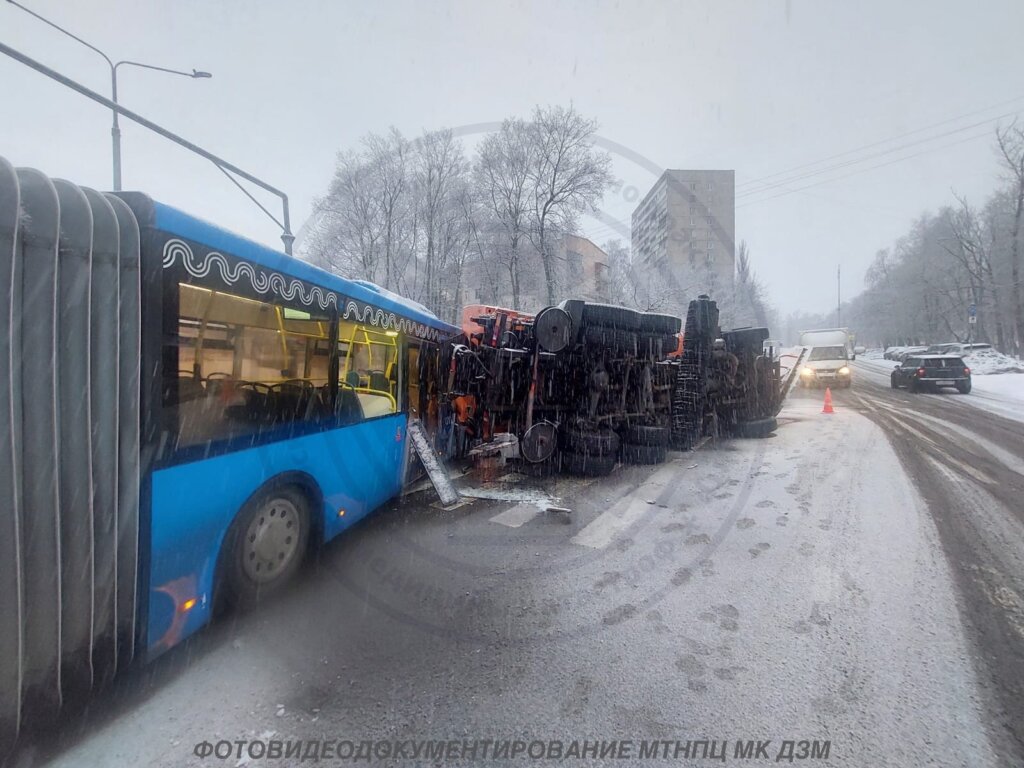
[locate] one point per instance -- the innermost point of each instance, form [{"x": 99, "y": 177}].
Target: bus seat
[
  {"x": 189, "y": 389},
  {"x": 352, "y": 378},
  {"x": 348, "y": 409},
  {"x": 379, "y": 381}
]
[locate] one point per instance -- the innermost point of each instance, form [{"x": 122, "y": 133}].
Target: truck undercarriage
[{"x": 584, "y": 385}]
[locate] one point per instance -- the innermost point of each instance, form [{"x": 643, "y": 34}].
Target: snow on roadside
[
  {"x": 985, "y": 362},
  {"x": 1001, "y": 393}
]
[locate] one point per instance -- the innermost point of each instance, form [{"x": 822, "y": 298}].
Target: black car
[{"x": 929, "y": 372}]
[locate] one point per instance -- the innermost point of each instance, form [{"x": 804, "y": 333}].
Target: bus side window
[
  {"x": 368, "y": 360},
  {"x": 244, "y": 366}
]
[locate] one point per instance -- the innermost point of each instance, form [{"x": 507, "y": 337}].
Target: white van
[{"x": 828, "y": 358}]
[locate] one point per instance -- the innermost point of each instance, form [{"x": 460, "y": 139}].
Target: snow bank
[
  {"x": 1001, "y": 393},
  {"x": 984, "y": 362}
]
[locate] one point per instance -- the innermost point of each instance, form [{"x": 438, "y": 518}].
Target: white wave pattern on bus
[{"x": 265, "y": 281}]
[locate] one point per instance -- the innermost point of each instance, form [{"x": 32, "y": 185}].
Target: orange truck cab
[{"x": 479, "y": 330}]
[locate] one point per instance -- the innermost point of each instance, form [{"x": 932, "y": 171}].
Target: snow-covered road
[{"x": 798, "y": 587}]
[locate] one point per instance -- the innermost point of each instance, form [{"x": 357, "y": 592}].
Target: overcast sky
[{"x": 759, "y": 87}]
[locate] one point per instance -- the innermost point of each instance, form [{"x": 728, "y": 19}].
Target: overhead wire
[
  {"x": 875, "y": 155},
  {"x": 880, "y": 142},
  {"x": 862, "y": 170}
]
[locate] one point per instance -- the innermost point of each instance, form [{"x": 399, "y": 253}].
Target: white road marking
[
  {"x": 600, "y": 533},
  {"x": 627, "y": 511},
  {"x": 517, "y": 515}
]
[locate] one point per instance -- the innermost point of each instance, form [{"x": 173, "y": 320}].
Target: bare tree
[
  {"x": 439, "y": 164},
  {"x": 388, "y": 158},
  {"x": 973, "y": 254},
  {"x": 408, "y": 215},
  {"x": 346, "y": 236},
  {"x": 461, "y": 232},
  {"x": 1010, "y": 143},
  {"x": 567, "y": 176},
  {"x": 749, "y": 305},
  {"x": 503, "y": 173}
]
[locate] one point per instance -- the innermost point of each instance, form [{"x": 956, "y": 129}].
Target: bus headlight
[{"x": 807, "y": 372}]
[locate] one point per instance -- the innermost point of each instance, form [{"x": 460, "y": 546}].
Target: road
[
  {"x": 855, "y": 579},
  {"x": 968, "y": 464}
]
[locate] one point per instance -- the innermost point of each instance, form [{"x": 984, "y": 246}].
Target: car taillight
[
  {"x": 967, "y": 371},
  {"x": 921, "y": 372}
]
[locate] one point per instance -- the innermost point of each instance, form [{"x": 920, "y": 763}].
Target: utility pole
[{"x": 839, "y": 295}]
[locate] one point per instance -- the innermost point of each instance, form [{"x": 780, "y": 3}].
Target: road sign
[
  {"x": 972, "y": 311},
  {"x": 972, "y": 319}
]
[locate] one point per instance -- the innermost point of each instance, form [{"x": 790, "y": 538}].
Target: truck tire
[
  {"x": 639, "y": 434},
  {"x": 755, "y": 429},
  {"x": 644, "y": 454},
  {"x": 661, "y": 325},
  {"x": 610, "y": 338},
  {"x": 602, "y": 442},
  {"x": 611, "y": 316},
  {"x": 587, "y": 465}
]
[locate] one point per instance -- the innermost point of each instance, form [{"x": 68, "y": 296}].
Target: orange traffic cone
[{"x": 828, "y": 401}]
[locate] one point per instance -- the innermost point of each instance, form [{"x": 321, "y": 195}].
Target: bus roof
[{"x": 174, "y": 221}]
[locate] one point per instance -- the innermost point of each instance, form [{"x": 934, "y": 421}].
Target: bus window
[
  {"x": 243, "y": 366},
  {"x": 370, "y": 367},
  {"x": 413, "y": 379}
]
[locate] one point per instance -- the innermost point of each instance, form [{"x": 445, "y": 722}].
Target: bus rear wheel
[{"x": 266, "y": 545}]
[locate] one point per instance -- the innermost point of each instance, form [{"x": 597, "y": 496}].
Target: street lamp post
[
  {"x": 115, "y": 128},
  {"x": 228, "y": 169}
]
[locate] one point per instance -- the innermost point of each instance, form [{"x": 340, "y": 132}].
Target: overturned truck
[
  {"x": 584, "y": 385},
  {"x": 727, "y": 383}
]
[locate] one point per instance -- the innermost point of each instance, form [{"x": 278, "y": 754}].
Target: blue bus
[{"x": 187, "y": 413}]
